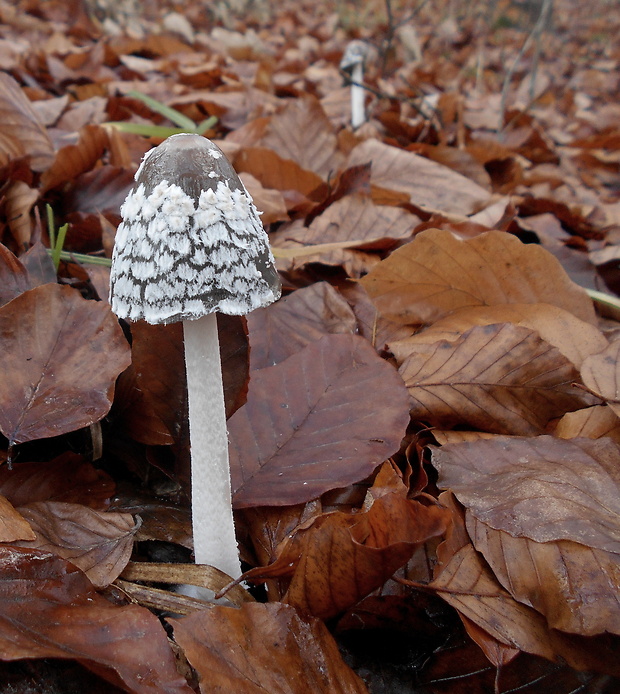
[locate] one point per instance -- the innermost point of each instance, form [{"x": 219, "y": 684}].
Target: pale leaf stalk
[{"x": 212, "y": 517}]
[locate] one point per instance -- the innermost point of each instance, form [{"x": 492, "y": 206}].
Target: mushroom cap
[
  {"x": 356, "y": 52},
  {"x": 190, "y": 241}
]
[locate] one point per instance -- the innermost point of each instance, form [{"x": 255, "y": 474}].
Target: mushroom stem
[
  {"x": 212, "y": 517},
  {"x": 358, "y": 115}
]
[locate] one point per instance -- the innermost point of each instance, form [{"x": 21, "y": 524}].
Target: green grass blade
[
  {"x": 161, "y": 131},
  {"x": 167, "y": 111}
]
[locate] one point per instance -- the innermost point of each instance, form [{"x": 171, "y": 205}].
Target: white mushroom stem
[
  {"x": 358, "y": 115},
  {"x": 212, "y": 517}
]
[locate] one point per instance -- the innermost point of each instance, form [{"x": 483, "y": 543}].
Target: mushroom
[
  {"x": 353, "y": 64},
  {"x": 191, "y": 243}
]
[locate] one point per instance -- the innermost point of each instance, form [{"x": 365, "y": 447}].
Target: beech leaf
[
  {"x": 22, "y": 131},
  {"x": 62, "y": 354},
  {"x": 543, "y": 487},
  {"x": 498, "y": 378},
  {"x": 287, "y": 326},
  {"x": 66, "y": 478},
  {"x": 575, "y": 587},
  {"x": 308, "y": 426},
  {"x": 99, "y": 543},
  {"x": 13, "y": 525},
  {"x": 574, "y": 338},
  {"x": 302, "y": 132},
  {"x": 49, "y": 609},
  {"x": 601, "y": 373},
  {"x": 438, "y": 273},
  {"x": 427, "y": 183},
  {"x": 263, "y": 648}
]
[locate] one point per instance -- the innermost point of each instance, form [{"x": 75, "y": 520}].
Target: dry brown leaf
[
  {"x": 498, "y": 378},
  {"x": 427, "y": 183},
  {"x": 263, "y": 648},
  {"x": 352, "y": 217},
  {"x": 22, "y": 131},
  {"x": 14, "y": 278},
  {"x": 437, "y": 273},
  {"x": 601, "y": 373},
  {"x": 286, "y": 327},
  {"x": 575, "y": 587},
  {"x": 99, "y": 543},
  {"x": 302, "y": 132},
  {"x": 269, "y": 202},
  {"x": 73, "y": 160},
  {"x": 344, "y": 558},
  {"x": 574, "y": 338},
  {"x": 13, "y": 526},
  {"x": 66, "y": 478},
  {"x": 543, "y": 488},
  {"x": 591, "y": 422},
  {"x": 49, "y": 609},
  {"x": 19, "y": 199},
  {"x": 378, "y": 330},
  {"x": 307, "y": 426},
  {"x": 276, "y": 172},
  {"x": 62, "y": 354},
  {"x": 335, "y": 559},
  {"x": 464, "y": 580}
]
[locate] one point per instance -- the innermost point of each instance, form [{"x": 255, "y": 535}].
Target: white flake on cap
[{"x": 177, "y": 257}]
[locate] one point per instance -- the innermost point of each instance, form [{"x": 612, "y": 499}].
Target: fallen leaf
[
  {"x": 302, "y": 132},
  {"x": 307, "y": 427},
  {"x": 13, "y": 276},
  {"x": 437, "y": 273},
  {"x": 276, "y": 172},
  {"x": 72, "y": 160},
  {"x": 153, "y": 385},
  {"x": 333, "y": 560},
  {"x": 269, "y": 202},
  {"x": 574, "y": 338},
  {"x": 49, "y": 609},
  {"x": 351, "y": 218},
  {"x": 13, "y": 526},
  {"x": 344, "y": 558},
  {"x": 575, "y": 587},
  {"x": 601, "y": 373},
  {"x": 67, "y": 478},
  {"x": 464, "y": 580},
  {"x": 427, "y": 183},
  {"x": 591, "y": 422},
  {"x": 498, "y": 378},
  {"x": 97, "y": 542},
  {"x": 19, "y": 199},
  {"x": 62, "y": 355},
  {"x": 536, "y": 487},
  {"x": 263, "y": 648},
  {"x": 287, "y": 326},
  {"x": 22, "y": 131}
]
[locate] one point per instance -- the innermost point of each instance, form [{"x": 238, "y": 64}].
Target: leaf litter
[{"x": 431, "y": 262}]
